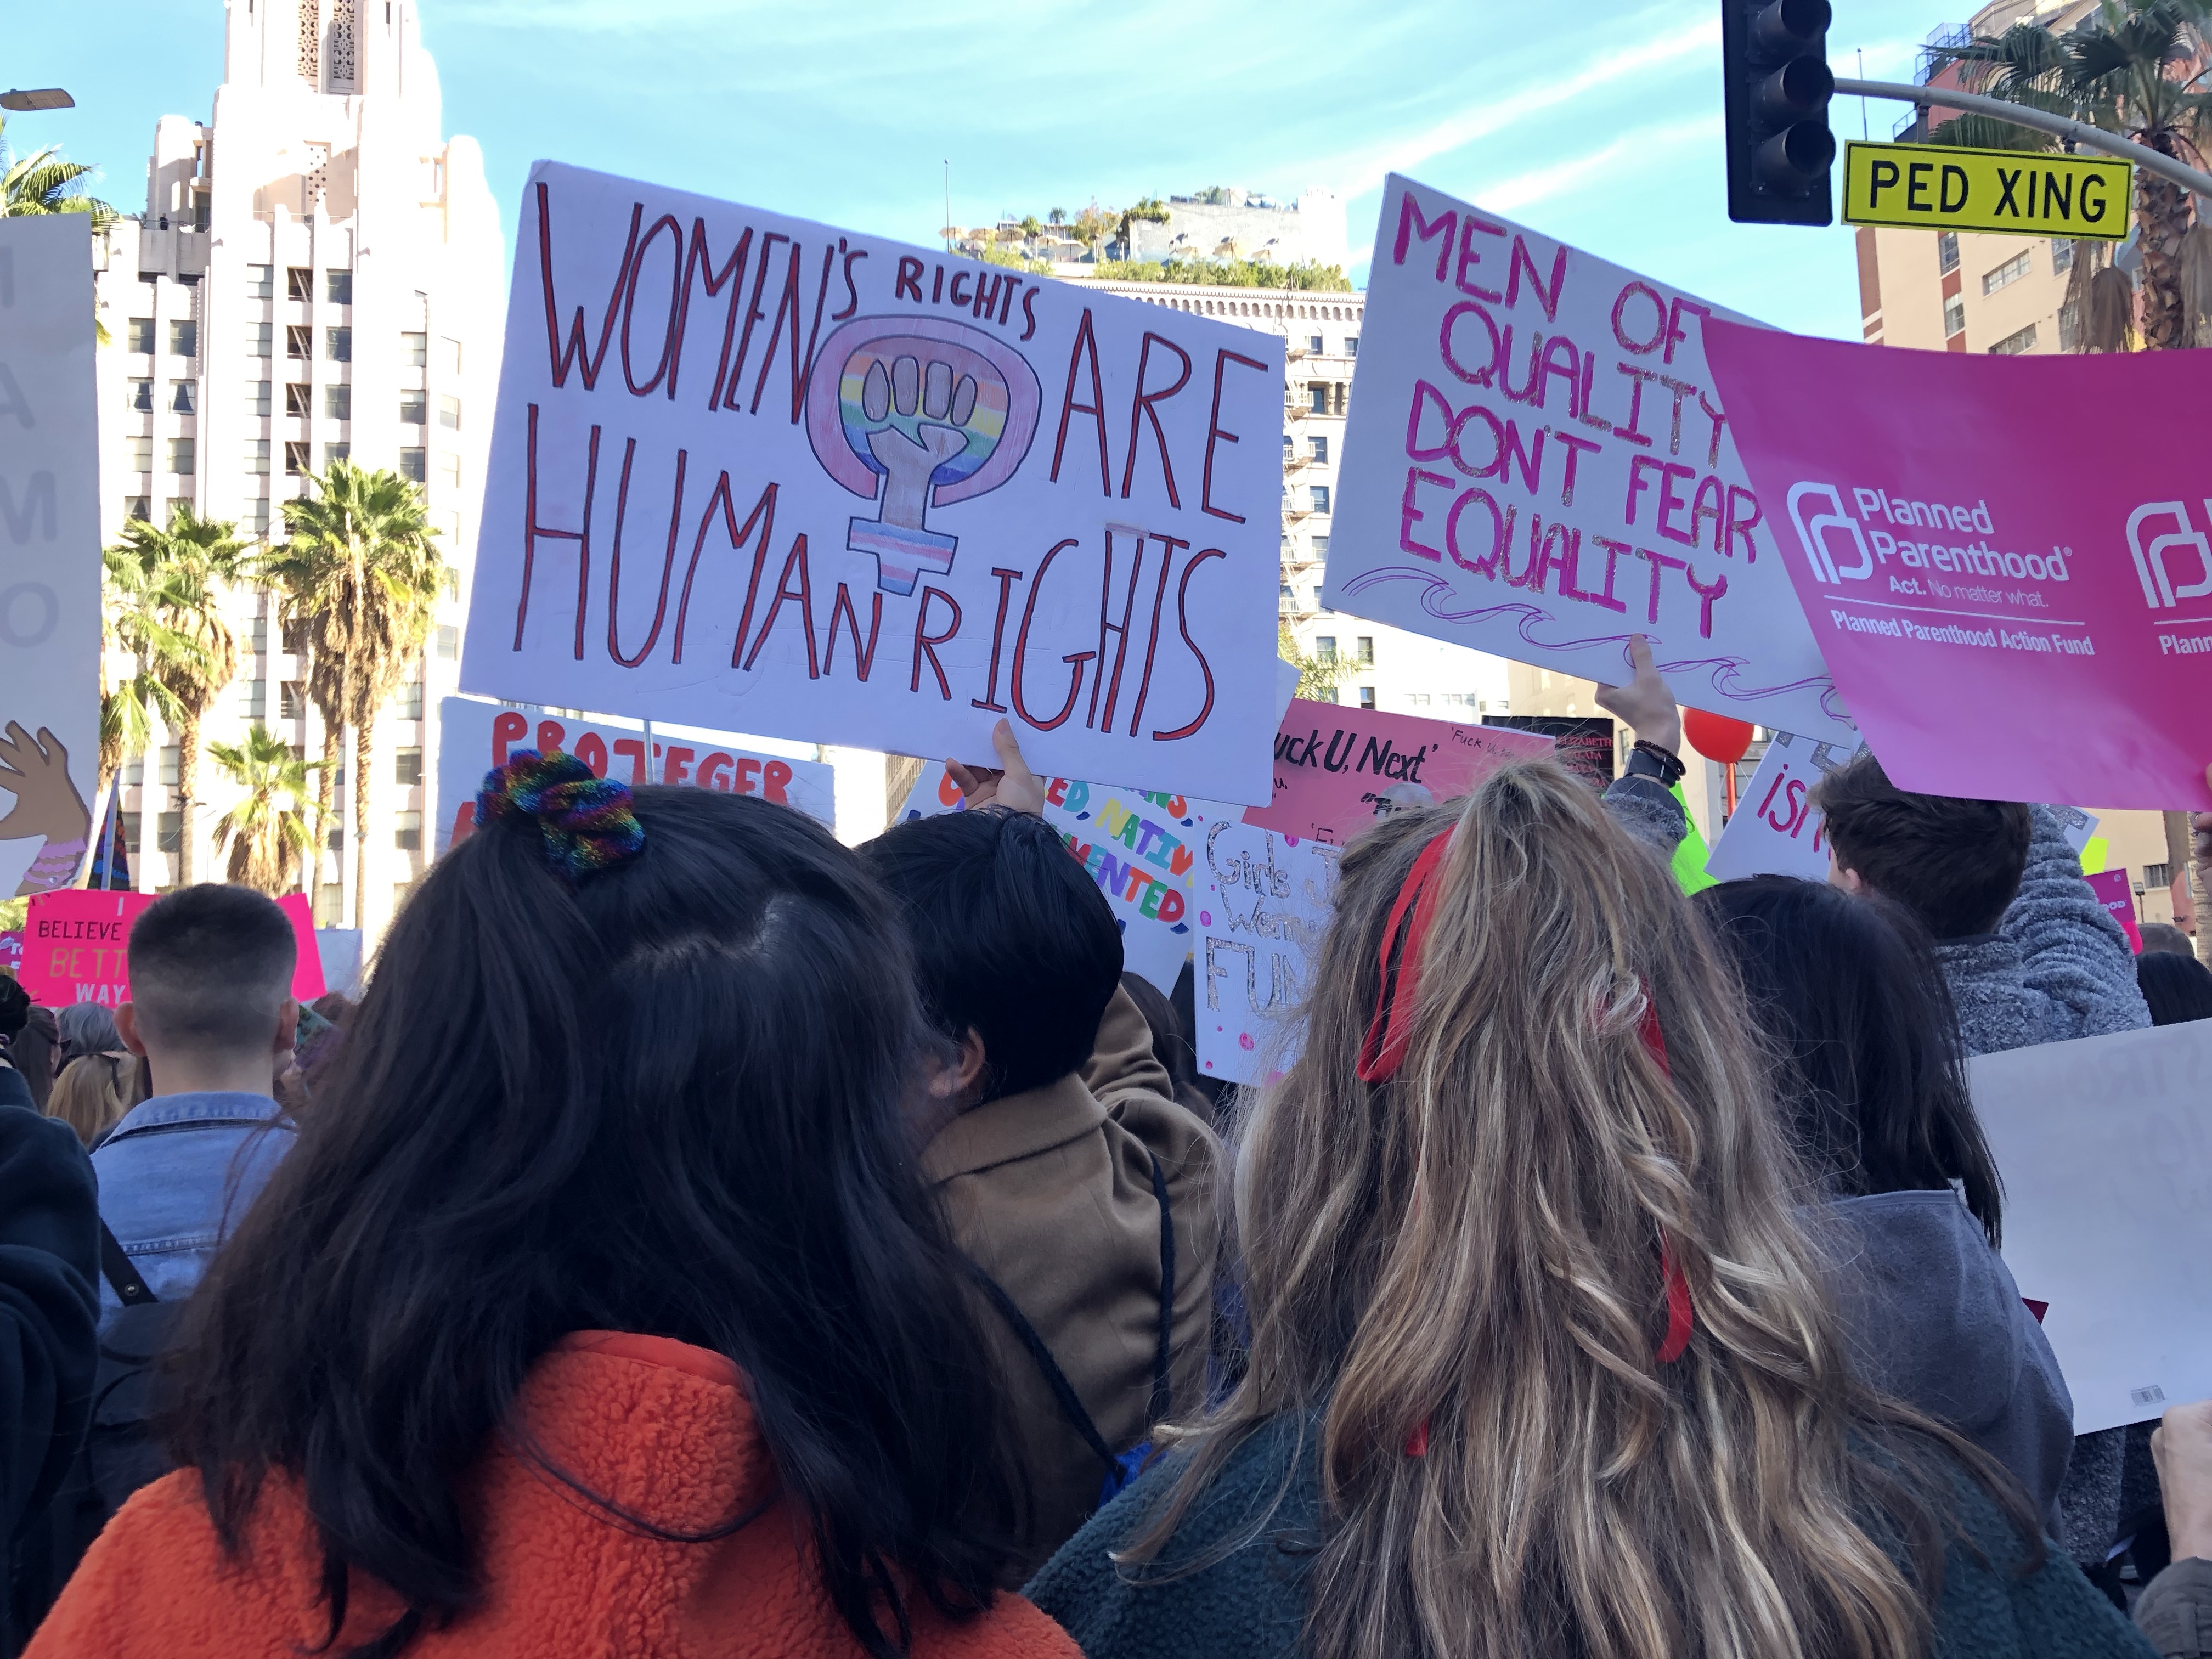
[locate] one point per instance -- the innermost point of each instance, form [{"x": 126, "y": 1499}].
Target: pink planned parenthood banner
[
  {"x": 2015, "y": 608},
  {"x": 75, "y": 945},
  {"x": 1337, "y": 769}
]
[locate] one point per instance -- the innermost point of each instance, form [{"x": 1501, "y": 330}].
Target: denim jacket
[{"x": 176, "y": 1177}]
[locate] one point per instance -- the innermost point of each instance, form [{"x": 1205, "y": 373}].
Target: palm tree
[
  {"x": 267, "y": 831},
  {"x": 1318, "y": 674},
  {"x": 40, "y": 183},
  {"x": 134, "y": 605},
  {"x": 2130, "y": 68},
  {"x": 360, "y": 576},
  {"x": 187, "y": 565}
]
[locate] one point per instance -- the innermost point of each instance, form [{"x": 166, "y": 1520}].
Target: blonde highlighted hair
[{"x": 1461, "y": 1269}]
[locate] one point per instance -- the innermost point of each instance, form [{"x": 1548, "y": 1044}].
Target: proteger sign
[{"x": 2006, "y": 620}]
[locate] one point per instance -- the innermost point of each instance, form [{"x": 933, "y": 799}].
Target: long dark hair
[
  {"x": 669, "y": 1099},
  {"x": 1872, "y": 1075}
]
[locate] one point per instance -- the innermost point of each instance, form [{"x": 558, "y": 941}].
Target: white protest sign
[
  {"x": 1260, "y": 923},
  {"x": 1773, "y": 831},
  {"x": 894, "y": 495},
  {"x": 475, "y": 736},
  {"x": 2106, "y": 1148},
  {"x": 49, "y": 552},
  {"x": 1142, "y": 847},
  {"x": 1537, "y": 465}
]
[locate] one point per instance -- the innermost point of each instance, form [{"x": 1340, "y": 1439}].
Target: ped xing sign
[{"x": 2025, "y": 192}]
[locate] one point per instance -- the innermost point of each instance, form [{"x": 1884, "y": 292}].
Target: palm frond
[{"x": 1975, "y": 131}]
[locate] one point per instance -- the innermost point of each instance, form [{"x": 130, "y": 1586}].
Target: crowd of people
[{"x": 704, "y": 1238}]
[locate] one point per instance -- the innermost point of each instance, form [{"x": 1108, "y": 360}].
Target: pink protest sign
[
  {"x": 11, "y": 950},
  {"x": 74, "y": 946},
  {"x": 2111, "y": 887},
  {"x": 2006, "y": 622},
  {"x": 1337, "y": 769}
]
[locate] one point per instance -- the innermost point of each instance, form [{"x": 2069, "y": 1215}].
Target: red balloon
[{"x": 1717, "y": 737}]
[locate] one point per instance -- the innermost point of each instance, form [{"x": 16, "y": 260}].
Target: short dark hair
[
  {"x": 1011, "y": 935},
  {"x": 2176, "y": 988},
  {"x": 1954, "y": 864},
  {"x": 1872, "y": 1078},
  {"x": 2164, "y": 936},
  {"x": 212, "y": 968},
  {"x": 15, "y": 1006}
]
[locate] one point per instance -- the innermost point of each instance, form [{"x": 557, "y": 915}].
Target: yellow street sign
[{"x": 2025, "y": 192}]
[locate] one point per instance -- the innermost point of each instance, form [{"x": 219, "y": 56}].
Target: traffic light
[{"x": 1779, "y": 148}]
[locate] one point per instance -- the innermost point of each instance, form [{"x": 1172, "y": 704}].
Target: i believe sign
[
  {"x": 1538, "y": 466},
  {"x": 2012, "y": 618},
  {"x": 755, "y": 473}
]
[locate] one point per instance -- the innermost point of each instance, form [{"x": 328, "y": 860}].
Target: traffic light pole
[{"x": 2022, "y": 115}]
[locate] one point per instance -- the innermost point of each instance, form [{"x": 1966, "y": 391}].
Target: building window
[
  {"x": 1313, "y": 343},
  {"x": 453, "y": 571},
  {"x": 141, "y": 396},
  {"x": 330, "y": 904},
  {"x": 299, "y": 400},
  {"x": 1352, "y": 345},
  {"x": 2158, "y": 875},
  {"x": 138, "y": 454},
  {"x": 333, "y": 454},
  {"x": 256, "y": 700},
  {"x": 299, "y": 282},
  {"x": 1318, "y": 391},
  {"x": 256, "y": 339},
  {"x": 2007, "y": 273},
  {"x": 1325, "y": 646},
  {"x": 257, "y": 400},
  {"x": 449, "y": 355},
  {"x": 142, "y": 335},
  {"x": 180, "y": 455},
  {"x": 259, "y": 284},
  {"x": 449, "y": 470},
  {"x": 294, "y": 636},
  {"x": 448, "y": 641},
  {"x": 165, "y": 771},
  {"x": 1320, "y": 547},
  {"x": 2013, "y": 345},
  {"x": 407, "y": 766},
  {"x": 1288, "y": 602},
  {"x": 138, "y": 507},
  {"x": 129, "y": 824},
  {"x": 1319, "y": 446},
  {"x": 1947, "y": 252},
  {"x": 1363, "y": 649},
  {"x": 180, "y": 397},
  {"x": 337, "y": 286},
  {"x": 170, "y": 827},
  {"x": 1367, "y": 696},
  {"x": 291, "y": 705},
  {"x": 449, "y": 414},
  {"x": 2062, "y": 256},
  {"x": 183, "y": 338},
  {"x": 414, "y": 464},
  {"x": 2069, "y": 320},
  {"x": 338, "y": 401},
  {"x": 295, "y": 457},
  {"x": 335, "y": 840},
  {"x": 407, "y": 703},
  {"x": 257, "y": 514},
  {"x": 1320, "y": 498},
  {"x": 337, "y": 344},
  {"x": 414, "y": 349},
  {"x": 299, "y": 341},
  {"x": 1954, "y": 314},
  {"x": 414, "y": 407},
  {"x": 257, "y": 455}
]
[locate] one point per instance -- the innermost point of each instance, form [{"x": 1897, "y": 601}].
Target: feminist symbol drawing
[{"x": 915, "y": 413}]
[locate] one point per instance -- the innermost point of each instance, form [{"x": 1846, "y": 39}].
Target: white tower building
[{"x": 318, "y": 273}]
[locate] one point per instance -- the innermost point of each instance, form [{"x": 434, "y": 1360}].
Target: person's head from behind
[
  {"x": 1582, "y": 1381},
  {"x": 1018, "y": 950},
  {"x": 36, "y": 1052},
  {"x": 2176, "y": 988},
  {"x": 2164, "y": 936},
  {"x": 1870, "y": 1073},
  {"x": 94, "y": 1093},
  {"x": 1954, "y": 864},
  {"x": 86, "y": 1028},
  {"x": 668, "y": 1095},
  {"x": 211, "y": 990}
]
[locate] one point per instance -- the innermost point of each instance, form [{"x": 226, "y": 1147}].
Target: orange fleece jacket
[{"x": 661, "y": 1428}]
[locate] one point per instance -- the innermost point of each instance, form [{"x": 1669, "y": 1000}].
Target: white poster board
[
  {"x": 474, "y": 736},
  {"x": 1773, "y": 831},
  {"x": 49, "y": 552},
  {"x": 1260, "y": 923},
  {"x": 1537, "y": 465},
  {"x": 2105, "y": 1145},
  {"x": 1142, "y": 849},
  {"x": 760, "y": 473}
]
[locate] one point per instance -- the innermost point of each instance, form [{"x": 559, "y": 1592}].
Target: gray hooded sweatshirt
[{"x": 1934, "y": 1319}]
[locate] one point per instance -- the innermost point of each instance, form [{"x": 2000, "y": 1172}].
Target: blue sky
[{"x": 1605, "y": 132}]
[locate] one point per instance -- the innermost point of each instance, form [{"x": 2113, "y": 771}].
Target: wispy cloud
[{"x": 1626, "y": 153}]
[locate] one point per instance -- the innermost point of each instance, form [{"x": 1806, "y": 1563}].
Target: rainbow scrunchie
[{"x": 585, "y": 822}]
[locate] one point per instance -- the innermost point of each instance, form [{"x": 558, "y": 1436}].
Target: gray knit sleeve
[
  {"x": 1648, "y": 810},
  {"x": 2071, "y": 949}
]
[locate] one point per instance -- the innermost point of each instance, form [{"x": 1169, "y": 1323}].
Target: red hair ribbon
[
  {"x": 1680, "y": 1315},
  {"x": 1391, "y": 1029}
]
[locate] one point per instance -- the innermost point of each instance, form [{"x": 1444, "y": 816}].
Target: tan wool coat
[{"x": 1050, "y": 1193}]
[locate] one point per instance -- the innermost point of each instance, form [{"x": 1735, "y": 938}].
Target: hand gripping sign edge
[{"x": 915, "y": 412}]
